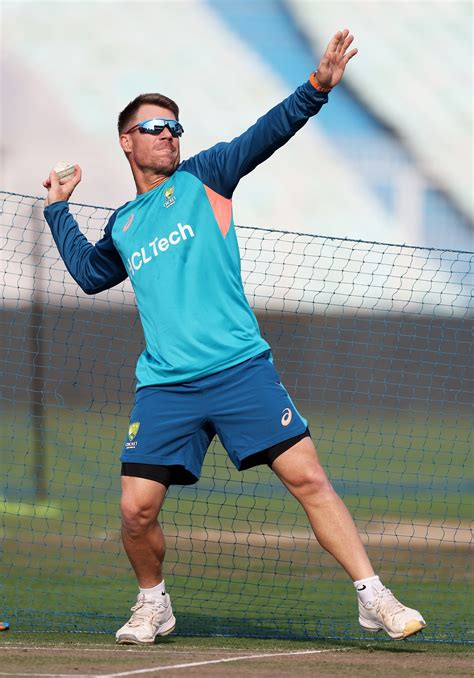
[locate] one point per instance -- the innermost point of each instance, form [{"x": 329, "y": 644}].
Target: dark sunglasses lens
[
  {"x": 178, "y": 130},
  {"x": 151, "y": 130},
  {"x": 175, "y": 128}
]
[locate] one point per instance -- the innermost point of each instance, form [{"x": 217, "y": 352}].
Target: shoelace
[
  {"x": 387, "y": 596},
  {"x": 141, "y": 613}
]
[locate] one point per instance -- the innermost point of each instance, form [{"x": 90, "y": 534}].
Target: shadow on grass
[{"x": 399, "y": 648}]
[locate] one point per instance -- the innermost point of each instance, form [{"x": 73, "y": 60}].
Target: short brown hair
[{"x": 128, "y": 113}]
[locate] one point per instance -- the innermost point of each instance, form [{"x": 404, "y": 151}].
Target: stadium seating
[
  {"x": 415, "y": 72},
  {"x": 221, "y": 93}
]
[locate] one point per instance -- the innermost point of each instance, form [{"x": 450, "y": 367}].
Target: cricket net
[{"x": 372, "y": 341}]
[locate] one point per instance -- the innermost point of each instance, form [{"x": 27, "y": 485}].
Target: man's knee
[
  {"x": 140, "y": 504},
  {"x": 311, "y": 481},
  {"x": 300, "y": 470},
  {"x": 137, "y": 518}
]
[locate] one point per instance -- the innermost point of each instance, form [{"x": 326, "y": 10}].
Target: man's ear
[{"x": 125, "y": 143}]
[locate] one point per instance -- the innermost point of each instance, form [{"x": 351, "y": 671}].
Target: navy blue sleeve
[
  {"x": 95, "y": 268},
  {"x": 222, "y": 166}
]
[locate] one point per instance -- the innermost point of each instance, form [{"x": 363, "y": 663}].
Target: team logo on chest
[{"x": 170, "y": 197}]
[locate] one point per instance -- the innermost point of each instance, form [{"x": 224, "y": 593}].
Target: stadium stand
[
  {"x": 368, "y": 142},
  {"x": 421, "y": 88},
  {"x": 76, "y": 104}
]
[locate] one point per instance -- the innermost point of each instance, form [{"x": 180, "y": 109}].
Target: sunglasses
[{"x": 157, "y": 125}]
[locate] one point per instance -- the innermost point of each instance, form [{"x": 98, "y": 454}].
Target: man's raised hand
[
  {"x": 61, "y": 189},
  {"x": 335, "y": 59}
]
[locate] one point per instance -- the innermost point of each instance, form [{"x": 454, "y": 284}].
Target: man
[{"x": 205, "y": 363}]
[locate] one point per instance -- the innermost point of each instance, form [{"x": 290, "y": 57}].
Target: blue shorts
[{"x": 245, "y": 405}]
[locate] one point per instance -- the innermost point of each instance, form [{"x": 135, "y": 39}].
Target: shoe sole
[
  {"x": 167, "y": 628},
  {"x": 413, "y": 627}
]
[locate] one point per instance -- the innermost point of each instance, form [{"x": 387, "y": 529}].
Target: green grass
[{"x": 63, "y": 566}]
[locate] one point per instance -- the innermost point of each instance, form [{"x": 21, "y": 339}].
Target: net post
[{"x": 37, "y": 409}]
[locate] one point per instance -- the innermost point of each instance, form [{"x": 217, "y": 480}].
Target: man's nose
[{"x": 166, "y": 133}]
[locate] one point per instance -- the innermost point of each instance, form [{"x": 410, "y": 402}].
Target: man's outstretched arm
[
  {"x": 94, "y": 268},
  {"x": 222, "y": 166}
]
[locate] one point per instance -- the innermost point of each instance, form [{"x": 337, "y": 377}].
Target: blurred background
[
  {"x": 371, "y": 339},
  {"x": 388, "y": 159}
]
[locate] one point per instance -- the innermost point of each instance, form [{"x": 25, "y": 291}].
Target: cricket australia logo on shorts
[{"x": 132, "y": 434}]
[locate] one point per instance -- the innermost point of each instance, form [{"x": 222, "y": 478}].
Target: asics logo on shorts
[{"x": 286, "y": 417}]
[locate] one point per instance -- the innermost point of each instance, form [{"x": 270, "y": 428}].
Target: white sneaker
[
  {"x": 387, "y": 613},
  {"x": 150, "y": 618}
]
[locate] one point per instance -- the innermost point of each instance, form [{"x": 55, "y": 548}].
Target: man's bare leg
[
  {"x": 144, "y": 543},
  {"x": 300, "y": 470},
  {"x": 142, "y": 536}
]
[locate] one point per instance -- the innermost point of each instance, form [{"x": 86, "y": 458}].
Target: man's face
[{"x": 159, "y": 153}]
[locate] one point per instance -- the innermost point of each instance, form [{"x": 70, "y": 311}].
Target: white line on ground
[{"x": 170, "y": 667}]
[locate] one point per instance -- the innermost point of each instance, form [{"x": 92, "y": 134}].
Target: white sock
[
  {"x": 155, "y": 591},
  {"x": 368, "y": 588}
]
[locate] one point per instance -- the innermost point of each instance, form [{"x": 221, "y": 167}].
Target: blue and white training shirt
[{"x": 177, "y": 244}]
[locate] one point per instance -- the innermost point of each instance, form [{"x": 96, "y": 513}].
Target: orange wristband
[{"x": 316, "y": 85}]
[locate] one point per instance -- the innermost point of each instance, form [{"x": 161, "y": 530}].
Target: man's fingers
[
  {"x": 349, "y": 56},
  {"x": 346, "y": 43},
  {"x": 77, "y": 176},
  {"x": 334, "y": 42},
  {"x": 53, "y": 179},
  {"x": 72, "y": 180},
  {"x": 335, "y": 59},
  {"x": 340, "y": 44},
  {"x": 61, "y": 189},
  {"x": 69, "y": 183}
]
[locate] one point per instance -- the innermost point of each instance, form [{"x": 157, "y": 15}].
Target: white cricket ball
[{"x": 64, "y": 170}]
